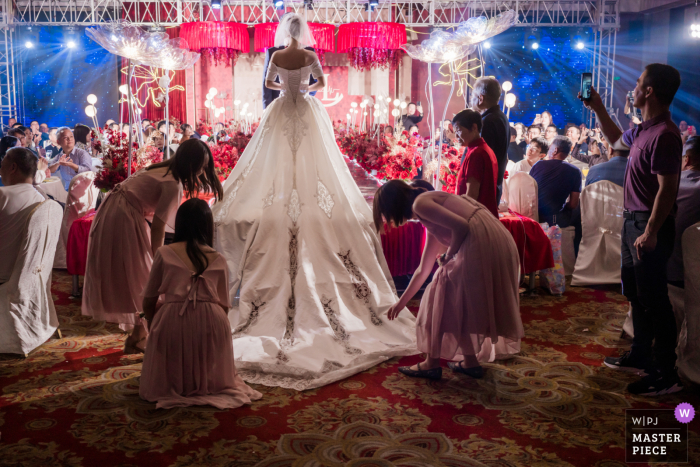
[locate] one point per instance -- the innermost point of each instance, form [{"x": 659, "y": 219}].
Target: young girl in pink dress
[
  {"x": 189, "y": 359},
  {"x": 470, "y": 312},
  {"x": 122, "y": 243}
]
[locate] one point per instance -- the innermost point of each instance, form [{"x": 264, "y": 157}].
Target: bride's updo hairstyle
[
  {"x": 293, "y": 26},
  {"x": 393, "y": 201}
]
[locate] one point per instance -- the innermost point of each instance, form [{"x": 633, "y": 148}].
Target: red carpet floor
[{"x": 74, "y": 402}]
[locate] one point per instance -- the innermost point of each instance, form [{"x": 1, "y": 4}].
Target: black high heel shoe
[
  {"x": 433, "y": 373},
  {"x": 476, "y": 372}
]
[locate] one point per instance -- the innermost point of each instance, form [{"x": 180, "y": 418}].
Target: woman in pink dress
[
  {"x": 122, "y": 243},
  {"x": 470, "y": 312},
  {"x": 189, "y": 360}
]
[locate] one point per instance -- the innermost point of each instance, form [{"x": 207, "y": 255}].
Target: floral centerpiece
[
  {"x": 450, "y": 167},
  {"x": 116, "y": 159}
]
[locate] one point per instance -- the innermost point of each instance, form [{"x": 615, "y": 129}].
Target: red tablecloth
[
  {"x": 534, "y": 247},
  {"x": 77, "y": 247},
  {"x": 403, "y": 247}
]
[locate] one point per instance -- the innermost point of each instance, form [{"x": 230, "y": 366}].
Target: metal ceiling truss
[{"x": 413, "y": 13}]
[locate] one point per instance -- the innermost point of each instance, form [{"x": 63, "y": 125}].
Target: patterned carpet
[{"x": 74, "y": 402}]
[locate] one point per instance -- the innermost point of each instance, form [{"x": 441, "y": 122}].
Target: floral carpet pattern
[{"x": 74, "y": 402}]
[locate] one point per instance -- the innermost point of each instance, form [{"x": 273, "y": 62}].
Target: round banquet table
[
  {"x": 53, "y": 186},
  {"x": 403, "y": 246}
]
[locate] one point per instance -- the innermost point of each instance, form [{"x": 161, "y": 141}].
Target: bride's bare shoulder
[{"x": 311, "y": 57}]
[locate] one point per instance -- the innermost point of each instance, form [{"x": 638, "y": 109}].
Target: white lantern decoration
[
  {"x": 207, "y": 104},
  {"x": 507, "y": 86},
  {"x": 364, "y": 113},
  {"x": 363, "y": 105},
  {"x": 395, "y": 112},
  {"x": 388, "y": 100},
  {"x": 353, "y": 105},
  {"x": 510, "y": 100},
  {"x": 404, "y": 105},
  {"x": 236, "y": 102},
  {"x": 124, "y": 89},
  {"x": 90, "y": 110},
  {"x": 92, "y": 99},
  {"x": 376, "y": 106},
  {"x": 396, "y": 102},
  {"x": 213, "y": 91}
]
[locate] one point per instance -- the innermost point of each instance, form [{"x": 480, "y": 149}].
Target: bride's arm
[
  {"x": 319, "y": 84},
  {"x": 317, "y": 73},
  {"x": 272, "y": 85}
]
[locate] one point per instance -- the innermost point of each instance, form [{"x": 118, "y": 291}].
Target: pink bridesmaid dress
[
  {"x": 189, "y": 359},
  {"x": 119, "y": 249},
  {"x": 472, "y": 306}
]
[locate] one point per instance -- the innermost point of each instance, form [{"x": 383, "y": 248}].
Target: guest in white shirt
[
  {"x": 17, "y": 198},
  {"x": 536, "y": 150}
]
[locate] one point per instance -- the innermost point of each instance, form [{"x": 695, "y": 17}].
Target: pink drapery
[
  {"x": 215, "y": 34},
  {"x": 371, "y": 35},
  {"x": 323, "y": 34}
]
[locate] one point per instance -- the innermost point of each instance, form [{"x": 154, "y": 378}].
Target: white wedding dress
[{"x": 303, "y": 256}]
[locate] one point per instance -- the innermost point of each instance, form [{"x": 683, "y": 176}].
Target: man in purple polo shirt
[{"x": 651, "y": 183}]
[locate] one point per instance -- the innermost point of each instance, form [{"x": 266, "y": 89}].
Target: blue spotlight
[
  {"x": 29, "y": 44},
  {"x": 580, "y": 45},
  {"x": 279, "y": 4},
  {"x": 535, "y": 46},
  {"x": 487, "y": 45},
  {"x": 216, "y": 4}
]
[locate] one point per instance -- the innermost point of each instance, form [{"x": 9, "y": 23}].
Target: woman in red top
[{"x": 477, "y": 174}]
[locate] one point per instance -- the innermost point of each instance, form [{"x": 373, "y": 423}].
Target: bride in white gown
[{"x": 297, "y": 233}]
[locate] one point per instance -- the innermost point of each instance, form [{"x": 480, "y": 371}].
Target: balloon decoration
[
  {"x": 324, "y": 34},
  {"x": 372, "y": 45},
  {"x": 221, "y": 42}
]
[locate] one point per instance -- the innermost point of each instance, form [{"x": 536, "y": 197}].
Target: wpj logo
[{"x": 657, "y": 435}]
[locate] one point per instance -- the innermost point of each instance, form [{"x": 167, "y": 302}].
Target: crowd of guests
[{"x": 470, "y": 311}]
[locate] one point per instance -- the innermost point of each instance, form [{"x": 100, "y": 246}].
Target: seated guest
[
  {"x": 612, "y": 170},
  {"x": 515, "y": 152},
  {"x": 574, "y": 134},
  {"x": 15, "y": 141},
  {"x": 189, "y": 360},
  {"x": 114, "y": 127},
  {"x": 31, "y": 141},
  {"x": 52, "y": 149},
  {"x": 73, "y": 160},
  {"x": 550, "y": 133},
  {"x": 154, "y": 138},
  {"x": 536, "y": 151},
  {"x": 556, "y": 181},
  {"x": 7, "y": 143},
  {"x": 477, "y": 173},
  {"x": 17, "y": 199},
  {"x": 19, "y": 134},
  {"x": 83, "y": 138},
  {"x": 145, "y": 123},
  {"x": 533, "y": 131},
  {"x": 470, "y": 311},
  {"x": 688, "y": 202},
  {"x": 115, "y": 276}
]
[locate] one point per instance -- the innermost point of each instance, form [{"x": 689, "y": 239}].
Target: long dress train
[{"x": 303, "y": 256}]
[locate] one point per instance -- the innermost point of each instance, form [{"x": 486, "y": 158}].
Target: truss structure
[{"x": 603, "y": 16}]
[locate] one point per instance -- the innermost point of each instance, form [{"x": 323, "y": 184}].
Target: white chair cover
[
  {"x": 598, "y": 259},
  {"x": 82, "y": 196},
  {"x": 688, "y": 349},
  {"x": 503, "y": 202},
  {"x": 568, "y": 252},
  {"x": 27, "y": 315},
  {"x": 522, "y": 195}
]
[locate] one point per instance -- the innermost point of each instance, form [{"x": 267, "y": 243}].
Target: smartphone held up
[{"x": 586, "y": 84}]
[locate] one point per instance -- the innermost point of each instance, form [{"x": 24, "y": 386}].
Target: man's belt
[{"x": 636, "y": 215}]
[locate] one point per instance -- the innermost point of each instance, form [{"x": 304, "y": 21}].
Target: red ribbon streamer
[
  {"x": 371, "y": 35},
  {"x": 323, "y": 34},
  {"x": 216, "y": 35}
]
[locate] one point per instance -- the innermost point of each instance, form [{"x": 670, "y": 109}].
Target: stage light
[
  {"x": 695, "y": 31},
  {"x": 29, "y": 44},
  {"x": 91, "y": 98},
  {"x": 279, "y": 4},
  {"x": 507, "y": 86},
  {"x": 124, "y": 89},
  {"x": 535, "y": 46},
  {"x": 580, "y": 45},
  {"x": 216, "y": 4},
  {"x": 70, "y": 45},
  {"x": 487, "y": 45},
  {"x": 90, "y": 111}
]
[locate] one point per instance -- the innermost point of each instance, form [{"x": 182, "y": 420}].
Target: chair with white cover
[
  {"x": 598, "y": 259},
  {"x": 27, "y": 314},
  {"x": 82, "y": 197},
  {"x": 522, "y": 195},
  {"x": 688, "y": 349}
]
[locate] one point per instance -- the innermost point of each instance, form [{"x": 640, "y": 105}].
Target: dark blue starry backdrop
[
  {"x": 546, "y": 78},
  {"x": 56, "y": 79}
]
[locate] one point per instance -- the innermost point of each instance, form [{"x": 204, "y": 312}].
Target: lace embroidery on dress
[
  {"x": 330, "y": 365},
  {"x": 294, "y": 206},
  {"x": 324, "y": 198},
  {"x": 338, "y": 329},
  {"x": 252, "y": 317},
  {"x": 293, "y": 269},
  {"x": 267, "y": 200},
  {"x": 362, "y": 290}
]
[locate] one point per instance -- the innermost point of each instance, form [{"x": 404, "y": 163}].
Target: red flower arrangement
[
  {"x": 450, "y": 168},
  {"x": 116, "y": 157},
  {"x": 364, "y": 58},
  {"x": 389, "y": 158},
  {"x": 227, "y": 153}
]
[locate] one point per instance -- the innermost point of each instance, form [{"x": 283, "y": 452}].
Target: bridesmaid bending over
[
  {"x": 122, "y": 243},
  {"x": 189, "y": 360},
  {"x": 470, "y": 312}
]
